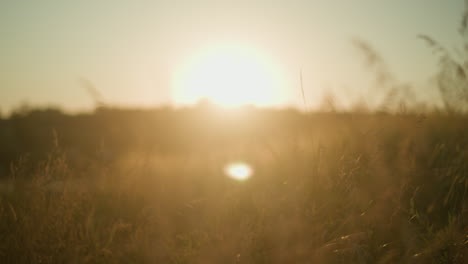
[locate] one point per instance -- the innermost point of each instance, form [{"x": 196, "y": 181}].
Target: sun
[{"x": 228, "y": 75}]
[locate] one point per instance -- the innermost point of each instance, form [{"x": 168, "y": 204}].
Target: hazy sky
[{"x": 131, "y": 49}]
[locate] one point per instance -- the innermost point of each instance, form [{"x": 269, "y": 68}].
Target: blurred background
[{"x": 233, "y": 131}]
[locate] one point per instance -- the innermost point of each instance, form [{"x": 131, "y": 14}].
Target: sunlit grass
[{"x": 326, "y": 189}]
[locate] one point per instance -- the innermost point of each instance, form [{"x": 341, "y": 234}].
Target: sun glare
[
  {"x": 229, "y": 76},
  {"x": 238, "y": 171}
]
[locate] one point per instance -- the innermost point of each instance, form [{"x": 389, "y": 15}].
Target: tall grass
[
  {"x": 349, "y": 189},
  {"x": 451, "y": 78}
]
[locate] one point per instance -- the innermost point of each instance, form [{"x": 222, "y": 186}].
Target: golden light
[
  {"x": 238, "y": 171},
  {"x": 229, "y": 75}
]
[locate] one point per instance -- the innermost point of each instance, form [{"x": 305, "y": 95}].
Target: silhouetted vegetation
[
  {"x": 145, "y": 186},
  {"x": 453, "y": 66}
]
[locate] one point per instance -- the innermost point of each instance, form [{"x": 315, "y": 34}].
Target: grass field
[
  {"x": 377, "y": 174},
  {"x": 124, "y": 186}
]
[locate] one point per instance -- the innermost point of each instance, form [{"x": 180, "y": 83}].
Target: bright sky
[{"x": 134, "y": 50}]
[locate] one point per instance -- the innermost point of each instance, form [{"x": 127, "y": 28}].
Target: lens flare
[{"x": 238, "y": 171}]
